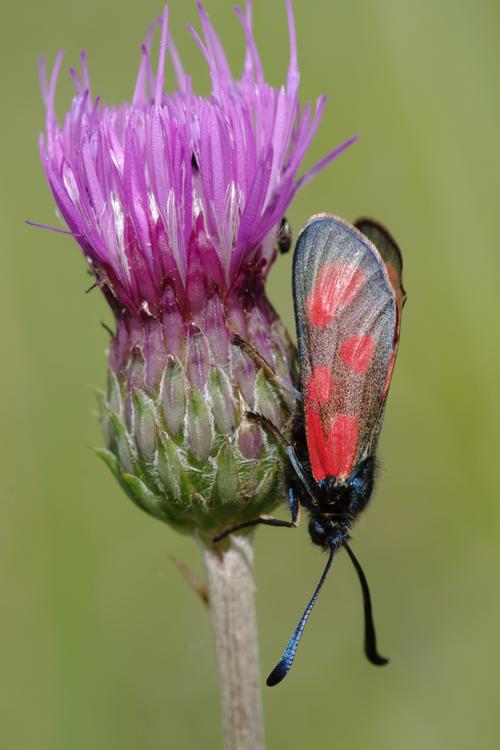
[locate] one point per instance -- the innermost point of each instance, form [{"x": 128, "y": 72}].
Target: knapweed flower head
[{"x": 176, "y": 201}]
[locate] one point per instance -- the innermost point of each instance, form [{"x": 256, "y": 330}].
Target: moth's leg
[
  {"x": 261, "y": 520},
  {"x": 293, "y": 501},
  {"x": 294, "y": 505},
  {"x": 264, "y": 365},
  {"x": 271, "y": 428}
]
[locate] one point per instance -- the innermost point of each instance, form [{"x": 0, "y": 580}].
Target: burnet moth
[{"x": 348, "y": 296}]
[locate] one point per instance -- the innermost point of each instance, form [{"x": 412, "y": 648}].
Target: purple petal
[{"x": 138, "y": 184}]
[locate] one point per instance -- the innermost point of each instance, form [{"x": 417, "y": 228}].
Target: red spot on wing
[
  {"x": 336, "y": 286},
  {"x": 333, "y": 454},
  {"x": 343, "y": 440},
  {"x": 357, "y": 352},
  {"x": 320, "y": 385},
  {"x": 316, "y": 445}
]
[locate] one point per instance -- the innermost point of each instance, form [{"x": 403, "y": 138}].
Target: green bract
[{"x": 191, "y": 457}]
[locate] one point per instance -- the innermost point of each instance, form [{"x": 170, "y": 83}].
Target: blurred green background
[{"x": 102, "y": 645}]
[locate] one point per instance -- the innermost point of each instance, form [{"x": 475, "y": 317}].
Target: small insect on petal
[
  {"x": 284, "y": 238},
  {"x": 336, "y": 286}
]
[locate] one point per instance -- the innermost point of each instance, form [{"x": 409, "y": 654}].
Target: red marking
[
  {"x": 336, "y": 286},
  {"x": 320, "y": 385},
  {"x": 357, "y": 353},
  {"x": 342, "y": 441},
  {"x": 319, "y": 455},
  {"x": 332, "y": 455}
]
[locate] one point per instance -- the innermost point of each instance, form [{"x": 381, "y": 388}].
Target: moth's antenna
[
  {"x": 281, "y": 669},
  {"x": 370, "y": 637}
]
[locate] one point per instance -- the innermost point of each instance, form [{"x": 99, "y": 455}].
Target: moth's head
[{"x": 327, "y": 531}]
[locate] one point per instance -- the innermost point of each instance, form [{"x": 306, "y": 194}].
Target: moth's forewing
[{"x": 346, "y": 317}]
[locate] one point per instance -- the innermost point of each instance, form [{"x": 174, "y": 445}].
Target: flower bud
[{"x": 176, "y": 201}]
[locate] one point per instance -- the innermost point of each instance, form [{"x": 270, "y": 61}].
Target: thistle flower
[{"x": 176, "y": 201}]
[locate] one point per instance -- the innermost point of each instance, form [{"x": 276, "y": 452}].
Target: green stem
[{"x": 232, "y": 606}]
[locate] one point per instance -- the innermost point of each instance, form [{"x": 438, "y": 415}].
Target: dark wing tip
[{"x": 279, "y": 673}]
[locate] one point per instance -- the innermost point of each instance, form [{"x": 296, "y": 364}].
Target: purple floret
[{"x": 173, "y": 195}]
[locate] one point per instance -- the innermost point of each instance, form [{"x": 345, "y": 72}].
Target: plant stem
[{"x": 232, "y": 605}]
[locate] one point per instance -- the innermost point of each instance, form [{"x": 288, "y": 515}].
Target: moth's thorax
[
  {"x": 348, "y": 496},
  {"x": 338, "y": 504}
]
